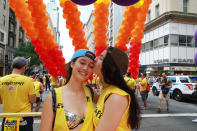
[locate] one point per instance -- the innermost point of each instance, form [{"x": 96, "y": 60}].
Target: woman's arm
[
  {"x": 41, "y": 87},
  {"x": 114, "y": 109},
  {"x": 47, "y": 115}
]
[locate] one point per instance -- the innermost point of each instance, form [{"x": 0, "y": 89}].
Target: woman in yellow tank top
[
  {"x": 117, "y": 108},
  {"x": 73, "y": 108}
]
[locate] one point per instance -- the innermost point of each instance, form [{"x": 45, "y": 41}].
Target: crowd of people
[{"x": 78, "y": 102}]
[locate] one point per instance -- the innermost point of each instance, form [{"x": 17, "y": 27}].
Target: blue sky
[{"x": 65, "y": 40}]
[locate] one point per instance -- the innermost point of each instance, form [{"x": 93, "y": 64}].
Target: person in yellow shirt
[
  {"x": 144, "y": 92},
  {"x": 39, "y": 90},
  {"x": 117, "y": 108},
  {"x": 138, "y": 81},
  {"x": 17, "y": 93},
  {"x": 130, "y": 81},
  {"x": 70, "y": 107},
  {"x": 54, "y": 82}
]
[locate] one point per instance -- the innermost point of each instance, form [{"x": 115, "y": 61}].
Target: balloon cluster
[
  {"x": 34, "y": 21},
  {"x": 128, "y": 22},
  {"x": 73, "y": 23},
  {"x": 100, "y": 27},
  {"x": 136, "y": 38},
  {"x": 124, "y": 32}
]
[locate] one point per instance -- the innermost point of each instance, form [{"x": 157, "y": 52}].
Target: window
[
  {"x": 166, "y": 39},
  {"x": 182, "y": 40},
  {"x": 12, "y": 27},
  {"x": 12, "y": 15},
  {"x": 193, "y": 79},
  {"x": 3, "y": 20},
  {"x": 1, "y": 54},
  {"x": 173, "y": 79},
  {"x": 190, "y": 41},
  {"x": 185, "y": 2},
  {"x": 4, "y": 4},
  {"x": 155, "y": 43},
  {"x": 1, "y": 36},
  {"x": 151, "y": 45},
  {"x": 149, "y": 16},
  {"x": 184, "y": 80},
  {"x": 147, "y": 46},
  {"x": 160, "y": 42},
  {"x": 143, "y": 47},
  {"x": 157, "y": 10},
  {"x": 11, "y": 41},
  {"x": 174, "y": 40}
]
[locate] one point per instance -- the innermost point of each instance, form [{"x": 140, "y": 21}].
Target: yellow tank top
[
  {"x": 100, "y": 108},
  {"x": 60, "y": 119},
  {"x": 37, "y": 88},
  {"x": 138, "y": 81}
]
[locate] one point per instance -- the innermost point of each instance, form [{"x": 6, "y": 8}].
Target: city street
[{"x": 179, "y": 119}]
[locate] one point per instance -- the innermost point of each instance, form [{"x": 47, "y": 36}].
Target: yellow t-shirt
[
  {"x": 100, "y": 108},
  {"x": 60, "y": 119},
  {"x": 14, "y": 92},
  {"x": 143, "y": 88},
  {"x": 130, "y": 82},
  {"x": 138, "y": 80},
  {"x": 54, "y": 81},
  {"x": 37, "y": 85}
]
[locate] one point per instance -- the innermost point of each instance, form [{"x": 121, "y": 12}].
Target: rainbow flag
[{"x": 28, "y": 60}]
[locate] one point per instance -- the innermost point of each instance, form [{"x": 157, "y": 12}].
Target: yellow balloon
[
  {"x": 62, "y": 1},
  {"x": 104, "y": 1},
  {"x": 138, "y": 4}
]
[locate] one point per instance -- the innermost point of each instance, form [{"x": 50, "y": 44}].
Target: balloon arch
[{"x": 34, "y": 20}]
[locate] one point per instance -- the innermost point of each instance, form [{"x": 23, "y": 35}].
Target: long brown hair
[{"x": 114, "y": 77}]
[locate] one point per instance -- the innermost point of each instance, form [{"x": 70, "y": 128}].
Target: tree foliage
[{"x": 27, "y": 50}]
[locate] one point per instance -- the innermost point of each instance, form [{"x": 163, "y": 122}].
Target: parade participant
[
  {"x": 138, "y": 80},
  {"x": 47, "y": 82},
  {"x": 165, "y": 84},
  {"x": 144, "y": 92},
  {"x": 39, "y": 90},
  {"x": 74, "y": 108},
  {"x": 17, "y": 93},
  {"x": 32, "y": 75},
  {"x": 130, "y": 81},
  {"x": 117, "y": 108},
  {"x": 54, "y": 82}
]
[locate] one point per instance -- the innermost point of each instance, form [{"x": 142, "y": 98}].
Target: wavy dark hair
[
  {"x": 111, "y": 74},
  {"x": 69, "y": 70}
]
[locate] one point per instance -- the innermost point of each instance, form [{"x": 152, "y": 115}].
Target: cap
[
  {"x": 83, "y": 52},
  {"x": 120, "y": 58},
  {"x": 80, "y": 53}
]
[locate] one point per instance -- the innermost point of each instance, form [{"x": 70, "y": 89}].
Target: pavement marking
[{"x": 168, "y": 115}]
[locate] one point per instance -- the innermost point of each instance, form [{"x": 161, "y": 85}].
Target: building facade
[
  {"x": 89, "y": 36},
  {"x": 11, "y": 34},
  {"x": 53, "y": 13},
  {"x": 3, "y": 31},
  {"x": 115, "y": 19},
  {"x": 168, "y": 43}
]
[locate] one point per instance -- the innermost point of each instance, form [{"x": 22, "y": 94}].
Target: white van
[{"x": 182, "y": 87}]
